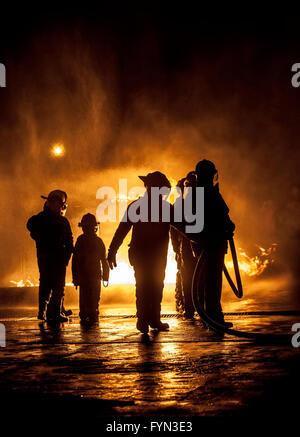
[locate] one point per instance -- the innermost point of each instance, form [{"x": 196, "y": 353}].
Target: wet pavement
[{"x": 185, "y": 372}]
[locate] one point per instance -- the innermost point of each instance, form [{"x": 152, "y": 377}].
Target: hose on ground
[{"x": 198, "y": 289}]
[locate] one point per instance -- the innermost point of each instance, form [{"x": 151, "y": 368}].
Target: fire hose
[
  {"x": 198, "y": 289},
  {"x": 238, "y": 290}
]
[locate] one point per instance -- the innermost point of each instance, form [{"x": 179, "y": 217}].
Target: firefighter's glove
[{"x": 111, "y": 259}]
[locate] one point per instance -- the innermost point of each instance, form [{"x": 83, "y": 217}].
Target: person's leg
[
  {"x": 64, "y": 311},
  {"x": 213, "y": 288},
  {"x": 55, "y": 303},
  {"x": 156, "y": 285},
  {"x": 44, "y": 296},
  {"x": 83, "y": 301},
  {"x": 179, "y": 301},
  {"x": 95, "y": 299},
  {"x": 156, "y": 298},
  {"x": 201, "y": 285},
  {"x": 142, "y": 293},
  {"x": 141, "y": 290},
  {"x": 44, "y": 288},
  {"x": 187, "y": 279}
]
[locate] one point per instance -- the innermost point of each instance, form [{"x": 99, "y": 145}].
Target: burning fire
[
  {"x": 124, "y": 273},
  {"x": 22, "y": 283},
  {"x": 29, "y": 283},
  {"x": 256, "y": 265}
]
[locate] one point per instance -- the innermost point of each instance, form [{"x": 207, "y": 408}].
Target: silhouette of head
[
  {"x": 190, "y": 179},
  {"x": 180, "y": 184},
  {"x": 56, "y": 201},
  {"x": 206, "y": 172},
  {"x": 156, "y": 179},
  {"x": 89, "y": 224}
]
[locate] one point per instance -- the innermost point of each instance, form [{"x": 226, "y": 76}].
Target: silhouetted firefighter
[
  {"x": 186, "y": 262},
  {"x": 176, "y": 238},
  {"x": 54, "y": 242},
  {"x": 147, "y": 251},
  {"x": 89, "y": 266},
  {"x": 214, "y": 238}
]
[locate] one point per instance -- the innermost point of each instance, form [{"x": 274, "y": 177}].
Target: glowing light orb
[{"x": 58, "y": 150}]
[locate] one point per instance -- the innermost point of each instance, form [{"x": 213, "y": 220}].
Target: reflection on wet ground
[{"x": 185, "y": 371}]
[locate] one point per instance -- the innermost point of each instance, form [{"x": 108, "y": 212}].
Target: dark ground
[{"x": 108, "y": 370}]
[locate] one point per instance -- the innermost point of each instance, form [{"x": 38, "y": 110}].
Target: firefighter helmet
[
  {"x": 156, "y": 179},
  {"x": 56, "y": 195},
  {"x": 88, "y": 220},
  {"x": 206, "y": 167}
]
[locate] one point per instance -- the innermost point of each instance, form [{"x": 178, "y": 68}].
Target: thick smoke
[{"x": 123, "y": 108}]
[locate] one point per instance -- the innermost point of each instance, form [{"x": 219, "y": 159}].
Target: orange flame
[
  {"x": 254, "y": 266},
  {"x": 22, "y": 283},
  {"x": 249, "y": 266}
]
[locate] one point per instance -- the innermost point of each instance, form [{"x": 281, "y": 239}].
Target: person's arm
[
  {"x": 33, "y": 227},
  {"x": 104, "y": 262},
  {"x": 228, "y": 224},
  {"x": 177, "y": 228},
  {"x": 175, "y": 240},
  {"x": 118, "y": 238},
  {"x": 68, "y": 241},
  {"x": 76, "y": 264}
]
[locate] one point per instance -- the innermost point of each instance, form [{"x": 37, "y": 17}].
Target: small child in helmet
[{"x": 89, "y": 266}]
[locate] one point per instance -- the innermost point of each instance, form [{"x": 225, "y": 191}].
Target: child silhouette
[{"x": 89, "y": 266}]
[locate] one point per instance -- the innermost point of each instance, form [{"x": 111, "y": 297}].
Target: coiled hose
[{"x": 198, "y": 288}]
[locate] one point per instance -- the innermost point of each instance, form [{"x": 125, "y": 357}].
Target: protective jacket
[{"x": 52, "y": 235}]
